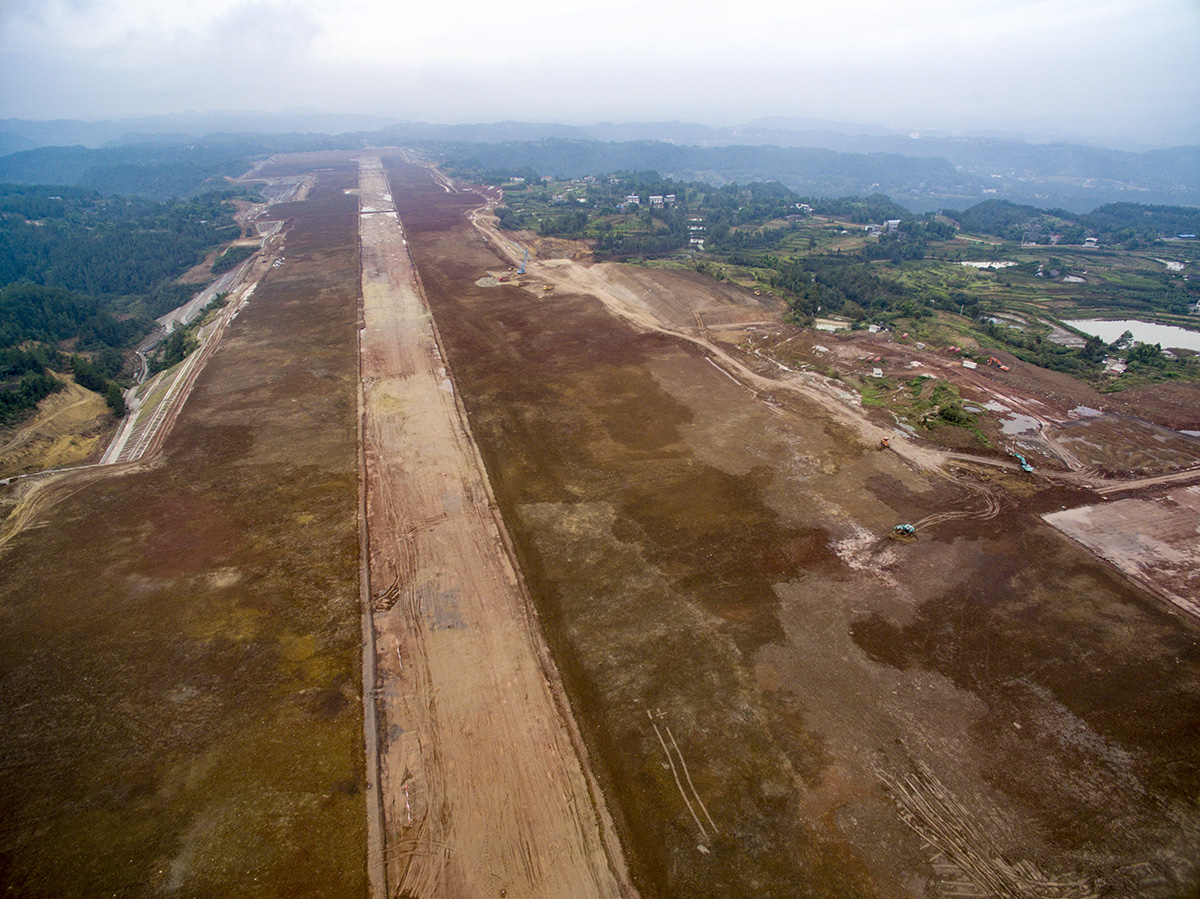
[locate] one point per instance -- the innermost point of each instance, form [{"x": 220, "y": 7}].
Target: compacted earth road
[{"x": 484, "y": 791}]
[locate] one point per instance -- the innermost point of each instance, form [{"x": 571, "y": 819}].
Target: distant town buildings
[
  {"x": 887, "y": 227},
  {"x": 656, "y": 201}
]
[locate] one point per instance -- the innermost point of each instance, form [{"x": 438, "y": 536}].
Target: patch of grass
[{"x": 924, "y": 401}]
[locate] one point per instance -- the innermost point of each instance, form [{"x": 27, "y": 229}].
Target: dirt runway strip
[{"x": 484, "y": 792}]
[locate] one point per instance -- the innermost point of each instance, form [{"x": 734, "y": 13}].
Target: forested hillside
[
  {"x": 105, "y": 246},
  {"x": 83, "y": 276},
  {"x": 1071, "y": 177},
  {"x": 1131, "y": 224}
]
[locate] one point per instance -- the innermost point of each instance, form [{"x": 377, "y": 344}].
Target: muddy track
[{"x": 990, "y": 509}]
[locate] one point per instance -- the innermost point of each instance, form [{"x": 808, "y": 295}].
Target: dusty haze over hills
[{"x": 1120, "y": 73}]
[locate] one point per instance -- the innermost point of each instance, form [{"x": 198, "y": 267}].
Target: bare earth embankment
[
  {"x": 779, "y": 699},
  {"x": 67, "y": 431},
  {"x": 484, "y": 792}
]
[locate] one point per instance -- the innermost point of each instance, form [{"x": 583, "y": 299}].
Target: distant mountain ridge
[{"x": 923, "y": 172}]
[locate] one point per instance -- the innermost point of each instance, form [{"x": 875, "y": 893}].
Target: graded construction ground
[
  {"x": 180, "y": 649},
  {"x": 778, "y": 699},
  {"x": 484, "y": 790},
  {"x": 781, "y": 701}
]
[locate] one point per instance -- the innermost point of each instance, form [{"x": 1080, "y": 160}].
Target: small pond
[{"x": 1145, "y": 332}]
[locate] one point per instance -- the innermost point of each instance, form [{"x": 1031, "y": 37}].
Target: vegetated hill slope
[{"x": 82, "y": 276}]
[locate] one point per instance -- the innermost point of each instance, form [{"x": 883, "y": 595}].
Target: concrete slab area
[{"x": 1156, "y": 541}]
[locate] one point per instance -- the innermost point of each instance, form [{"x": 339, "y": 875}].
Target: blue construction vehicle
[{"x": 1025, "y": 466}]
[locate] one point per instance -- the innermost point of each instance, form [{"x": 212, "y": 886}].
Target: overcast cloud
[{"x": 1109, "y": 70}]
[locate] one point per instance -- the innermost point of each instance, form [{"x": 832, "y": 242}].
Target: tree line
[{"x": 1130, "y": 225}]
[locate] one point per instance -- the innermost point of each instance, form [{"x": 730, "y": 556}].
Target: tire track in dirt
[{"x": 991, "y": 506}]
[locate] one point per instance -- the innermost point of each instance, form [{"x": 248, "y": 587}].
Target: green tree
[
  {"x": 1094, "y": 349},
  {"x": 115, "y": 399},
  {"x": 174, "y": 348},
  {"x": 87, "y": 375},
  {"x": 1145, "y": 354}
]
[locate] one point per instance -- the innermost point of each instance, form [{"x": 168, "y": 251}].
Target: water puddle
[{"x": 1020, "y": 424}]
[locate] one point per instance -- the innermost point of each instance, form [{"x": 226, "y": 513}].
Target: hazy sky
[{"x": 1127, "y": 69}]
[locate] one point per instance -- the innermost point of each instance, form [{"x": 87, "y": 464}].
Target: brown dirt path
[{"x": 484, "y": 791}]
